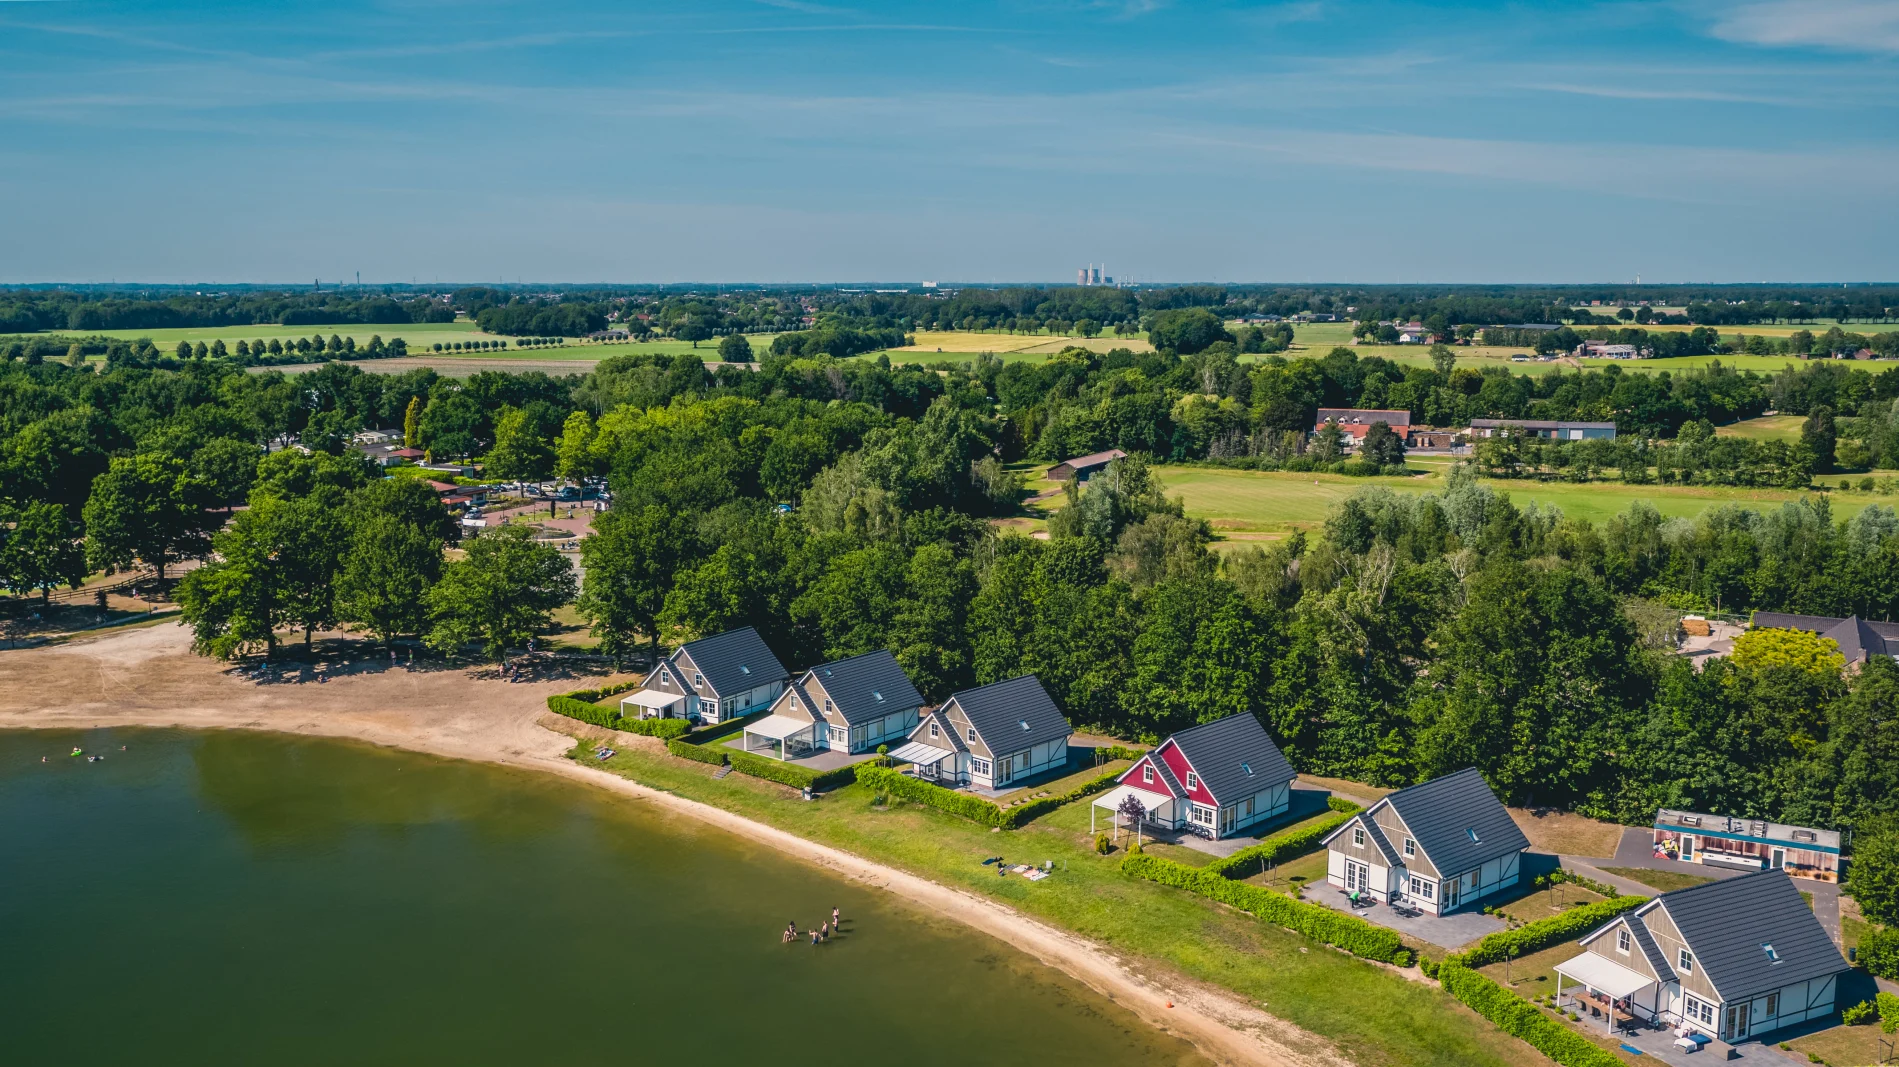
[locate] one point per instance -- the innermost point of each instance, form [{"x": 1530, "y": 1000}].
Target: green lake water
[{"x": 236, "y": 898}]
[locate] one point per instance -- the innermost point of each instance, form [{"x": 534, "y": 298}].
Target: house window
[
  {"x": 712, "y": 708},
  {"x": 1246, "y": 808},
  {"x": 1684, "y": 962},
  {"x": 1421, "y": 888},
  {"x": 1772, "y": 956},
  {"x": 1246, "y": 769},
  {"x": 829, "y": 707},
  {"x": 1622, "y": 941},
  {"x": 979, "y": 766},
  {"x": 1773, "y": 1004},
  {"x": 1410, "y": 847},
  {"x": 1203, "y": 816},
  {"x": 1358, "y": 837},
  {"x": 932, "y": 729},
  {"x": 664, "y": 677},
  {"x": 698, "y": 680},
  {"x": 1193, "y": 780},
  {"x": 972, "y": 733},
  {"x": 1147, "y": 773},
  {"x": 1472, "y": 834}
]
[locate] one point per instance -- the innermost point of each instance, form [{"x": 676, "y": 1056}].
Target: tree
[
  {"x": 1443, "y": 360},
  {"x": 573, "y": 452},
  {"x": 386, "y": 576},
  {"x": 734, "y": 348},
  {"x": 41, "y": 550},
  {"x": 501, "y": 592},
  {"x": 147, "y": 507},
  {"x": 929, "y": 633},
  {"x": 1820, "y": 437},
  {"x": 630, "y": 560},
  {"x": 1087, "y": 327},
  {"x": 519, "y": 450},
  {"x": 451, "y": 425},
  {"x": 1873, "y": 876},
  {"x": 693, "y": 330},
  {"x": 412, "y": 422},
  {"x": 1187, "y": 330},
  {"x": 228, "y": 468},
  {"x": 1382, "y": 446},
  {"x": 1769, "y": 648}
]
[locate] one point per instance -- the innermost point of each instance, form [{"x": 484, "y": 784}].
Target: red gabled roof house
[{"x": 1216, "y": 779}]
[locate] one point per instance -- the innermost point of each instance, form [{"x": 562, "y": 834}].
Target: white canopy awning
[
  {"x": 652, "y": 698},
  {"x": 1112, "y": 798},
  {"x": 1604, "y": 975},
  {"x": 779, "y": 727},
  {"x": 921, "y": 754}
]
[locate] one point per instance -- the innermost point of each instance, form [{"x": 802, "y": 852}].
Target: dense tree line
[{"x": 83, "y": 312}]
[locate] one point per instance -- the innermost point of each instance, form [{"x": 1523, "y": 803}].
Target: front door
[
  {"x": 1780, "y": 858},
  {"x": 1687, "y": 848},
  {"x": 1357, "y": 876},
  {"x": 1003, "y": 769},
  {"x": 1450, "y": 887},
  {"x": 1226, "y": 821},
  {"x": 1737, "y": 1021}
]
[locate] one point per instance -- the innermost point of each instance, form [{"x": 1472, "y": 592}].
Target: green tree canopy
[{"x": 501, "y": 592}]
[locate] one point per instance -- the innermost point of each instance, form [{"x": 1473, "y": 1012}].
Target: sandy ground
[{"x": 148, "y": 677}]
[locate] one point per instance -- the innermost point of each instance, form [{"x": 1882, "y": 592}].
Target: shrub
[
  {"x": 720, "y": 729},
  {"x": 1279, "y": 847},
  {"x": 580, "y": 705},
  {"x": 1340, "y": 804},
  {"x": 970, "y": 807},
  {"x": 1888, "y": 1013},
  {"x": 1348, "y": 932},
  {"x": 1879, "y": 953},
  {"x": 787, "y": 773},
  {"x": 1103, "y": 843},
  {"x": 1534, "y": 937},
  {"x": 687, "y": 750},
  {"x": 1521, "y": 1019},
  {"x": 1860, "y": 1014},
  {"x": 1120, "y": 752}
]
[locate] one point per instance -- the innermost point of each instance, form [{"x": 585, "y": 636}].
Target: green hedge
[
  {"x": 1539, "y": 935},
  {"x": 1279, "y": 847},
  {"x": 720, "y": 729},
  {"x": 970, "y": 806},
  {"x": 1521, "y": 1019},
  {"x": 577, "y": 707},
  {"x": 1348, "y": 932},
  {"x": 787, "y": 773},
  {"x": 1879, "y": 952},
  {"x": 1121, "y": 752},
  {"x": 1340, "y": 804},
  {"x": 686, "y": 750}
]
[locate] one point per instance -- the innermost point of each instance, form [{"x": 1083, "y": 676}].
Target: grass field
[
  {"x": 1375, "y": 1016},
  {"x": 1665, "y": 881},
  {"x": 1765, "y": 428},
  {"x": 969, "y": 342},
  {"x": 413, "y": 332},
  {"x": 1259, "y": 505}
]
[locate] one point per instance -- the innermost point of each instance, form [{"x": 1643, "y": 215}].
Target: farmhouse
[
  {"x": 989, "y": 736},
  {"x": 1439, "y": 846},
  {"x": 1215, "y": 779},
  {"x": 849, "y": 705},
  {"x": 713, "y": 679},
  {"x": 1750, "y": 844},
  {"x": 1083, "y": 466},
  {"x": 1357, "y": 422},
  {"x": 1555, "y": 431},
  {"x": 1604, "y": 350},
  {"x": 1732, "y": 959},
  {"x": 1857, "y": 638}
]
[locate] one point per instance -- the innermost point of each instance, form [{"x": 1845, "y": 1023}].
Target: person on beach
[{"x": 834, "y": 919}]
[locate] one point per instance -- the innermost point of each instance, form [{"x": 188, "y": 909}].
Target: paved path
[{"x": 1445, "y": 931}]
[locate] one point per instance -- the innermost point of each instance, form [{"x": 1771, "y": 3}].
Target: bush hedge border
[
  {"x": 1521, "y": 1019},
  {"x": 970, "y": 806},
  {"x": 1322, "y": 924},
  {"x": 1284, "y": 845},
  {"x": 1539, "y": 935},
  {"x": 580, "y": 705}
]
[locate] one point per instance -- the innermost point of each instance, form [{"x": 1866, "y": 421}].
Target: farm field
[
  {"x": 1261, "y": 505},
  {"x": 413, "y": 332},
  {"x": 970, "y": 342},
  {"x": 1765, "y": 428}
]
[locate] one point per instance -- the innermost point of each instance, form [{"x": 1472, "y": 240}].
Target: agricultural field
[
  {"x": 416, "y": 333},
  {"x": 1765, "y": 428},
  {"x": 970, "y": 342},
  {"x": 1256, "y": 506}
]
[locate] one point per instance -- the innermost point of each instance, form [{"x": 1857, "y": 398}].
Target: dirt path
[{"x": 148, "y": 677}]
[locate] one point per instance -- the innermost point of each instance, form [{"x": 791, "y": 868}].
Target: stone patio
[
  {"x": 1445, "y": 931},
  {"x": 824, "y": 760}
]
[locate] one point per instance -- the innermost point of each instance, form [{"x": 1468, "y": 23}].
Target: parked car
[{"x": 567, "y": 492}]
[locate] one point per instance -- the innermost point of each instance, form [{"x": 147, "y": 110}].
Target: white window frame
[
  {"x": 698, "y": 680},
  {"x": 1423, "y": 888},
  {"x": 1147, "y": 774},
  {"x": 1684, "y": 961},
  {"x": 1193, "y": 781},
  {"x": 1773, "y": 1005},
  {"x": 972, "y": 733},
  {"x": 978, "y": 765},
  {"x": 933, "y": 733},
  {"x": 1410, "y": 847},
  {"x": 1358, "y": 837},
  {"x": 1622, "y": 940},
  {"x": 1202, "y": 815}
]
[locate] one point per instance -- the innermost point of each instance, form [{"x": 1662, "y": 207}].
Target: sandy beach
[{"x": 149, "y": 677}]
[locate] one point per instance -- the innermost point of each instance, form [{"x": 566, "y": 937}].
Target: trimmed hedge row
[
  {"x": 1521, "y": 1019},
  {"x": 968, "y": 806},
  {"x": 787, "y": 773},
  {"x": 686, "y": 750},
  {"x": 1348, "y": 932},
  {"x": 580, "y": 705},
  {"x": 1121, "y": 752},
  {"x": 1539, "y": 935},
  {"x": 1879, "y": 952},
  {"x": 1340, "y": 804},
  {"x": 1279, "y": 847}
]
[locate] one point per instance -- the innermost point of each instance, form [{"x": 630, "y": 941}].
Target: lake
[{"x": 229, "y": 897}]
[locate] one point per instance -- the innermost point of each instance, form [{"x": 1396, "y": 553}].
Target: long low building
[
  {"x": 1858, "y": 638},
  {"x": 1556, "y": 431},
  {"x": 1357, "y": 422},
  {"x": 1749, "y": 844}
]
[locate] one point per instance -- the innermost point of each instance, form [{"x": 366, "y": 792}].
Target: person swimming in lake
[
  {"x": 834, "y": 918},
  {"x": 814, "y": 939},
  {"x": 791, "y": 931}
]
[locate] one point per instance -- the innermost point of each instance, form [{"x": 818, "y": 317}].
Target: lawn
[
  {"x": 1765, "y": 428},
  {"x": 418, "y": 334},
  {"x": 1665, "y": 881},
  {"x": 1239, "y": 503},
  {"x": 1566, "y": 833},
  {"x": 1374, "y": 1016},
  {"x": 1846, "y": 1046},
  {"x": 1536, "y": 904},
  {"x": 1084, "y": 774}
]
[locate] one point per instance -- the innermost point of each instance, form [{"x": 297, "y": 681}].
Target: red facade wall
[
  {"x": 1177, "y": 763},
  {"x": 1132, "y": 776}
]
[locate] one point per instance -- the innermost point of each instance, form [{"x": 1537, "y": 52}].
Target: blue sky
[{"x": 782, "y": 140}]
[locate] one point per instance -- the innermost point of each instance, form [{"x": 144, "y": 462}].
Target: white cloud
[{"x": 1849, "y": 25}]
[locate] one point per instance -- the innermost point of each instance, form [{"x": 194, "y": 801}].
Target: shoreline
[{"x": 1217, "y": 1023}]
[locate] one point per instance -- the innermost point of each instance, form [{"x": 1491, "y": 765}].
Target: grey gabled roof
[
  {"x": 1440, "y": 813},
  {"x": 1234, "y": 757},
  {"x": 999, "y": 710},
  {"x": 1363, "y": 821},
  {"x": 866, "y": 687},
  {"x": 734, "y": 661},
  {"x": 1656, "y": 959},
  {"x": 1726, "y": 922}
]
